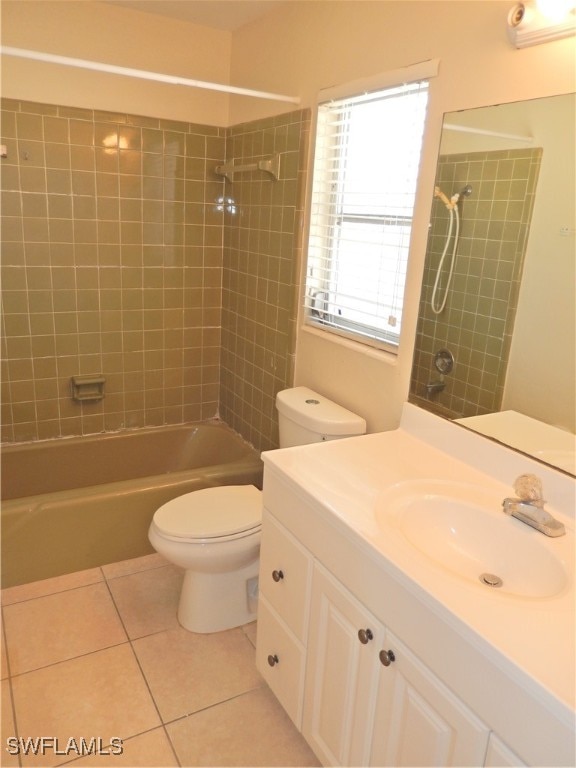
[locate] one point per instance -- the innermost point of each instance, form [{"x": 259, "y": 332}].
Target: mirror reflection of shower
[{"x": 437, "y": 304}]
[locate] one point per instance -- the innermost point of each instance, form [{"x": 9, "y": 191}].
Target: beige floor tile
[
  {"x": 250, "y": 730},
  {"x": 8, "y": 757},
  {"x": 135, "y": 564},
  {"x": 148, "y": 750},
  {"x": 250, "y": 632},
  {"x": 187, "y": 672},
  {"x": 101, "y": 695},
  {"x": 61, "y": 626},
  {"x": 148, "y": 600},
  {"x": 50, "y": 586}
]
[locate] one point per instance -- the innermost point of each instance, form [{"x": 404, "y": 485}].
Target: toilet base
[{"x": 213, "y": 602}]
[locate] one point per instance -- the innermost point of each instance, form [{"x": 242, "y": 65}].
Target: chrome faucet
[{"x": 529, "y": 506}]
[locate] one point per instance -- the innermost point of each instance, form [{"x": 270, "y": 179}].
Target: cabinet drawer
[
  {"x": 280, "y": 660},
  {"x": 285, "y": 572}
]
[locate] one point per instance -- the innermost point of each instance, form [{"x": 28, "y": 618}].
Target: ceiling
[{"x": 219, "y": 14}]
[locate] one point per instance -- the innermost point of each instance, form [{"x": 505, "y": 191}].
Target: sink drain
[{"x": 491, "y": 580}]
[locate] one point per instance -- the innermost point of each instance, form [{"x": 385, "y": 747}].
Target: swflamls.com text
[{"x": 44, "y": 745}]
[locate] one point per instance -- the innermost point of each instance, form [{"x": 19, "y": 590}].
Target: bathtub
[{"x": 77, "y": 503}]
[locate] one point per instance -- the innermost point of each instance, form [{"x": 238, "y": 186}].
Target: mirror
[{"x": 496, "y": 336}]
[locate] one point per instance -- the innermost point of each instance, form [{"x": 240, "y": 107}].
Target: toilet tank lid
[{"x": 318, "y": 414}]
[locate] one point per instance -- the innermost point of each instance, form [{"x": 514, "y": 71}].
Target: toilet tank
[{"x": 305, "y": 417}]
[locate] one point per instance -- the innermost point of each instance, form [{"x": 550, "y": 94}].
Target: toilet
[{"x": 214, "y": 533}]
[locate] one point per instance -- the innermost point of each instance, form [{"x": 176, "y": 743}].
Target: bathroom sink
[{"x": 462, "y": 529}]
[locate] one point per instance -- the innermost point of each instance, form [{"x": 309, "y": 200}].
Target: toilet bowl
[{"x": 214, "y": 533}]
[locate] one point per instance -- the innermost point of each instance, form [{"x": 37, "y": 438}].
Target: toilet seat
[{"x": 223, "y": 513}]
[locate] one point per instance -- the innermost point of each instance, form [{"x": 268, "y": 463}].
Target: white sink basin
[{"x": 463, "y": 530}]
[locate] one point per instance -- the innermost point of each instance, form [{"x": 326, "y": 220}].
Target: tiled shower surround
[
  {"x": 113, "y": 263},
  {"x": 477, "y": 322},
  {"x": 262, "y": 249}
]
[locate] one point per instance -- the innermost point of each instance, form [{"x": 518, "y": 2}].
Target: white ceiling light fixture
[{"x": 532, "y": 23}]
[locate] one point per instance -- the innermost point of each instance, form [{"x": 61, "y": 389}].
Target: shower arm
[{"x": 270, "y": 165}]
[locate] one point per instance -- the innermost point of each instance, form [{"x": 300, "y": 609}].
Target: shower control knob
[
  {"x": 277, "y": 575},
  {"x": 365, "y": 635},
  {"x": 387, "y": 657},
  {"x": 273, "y": 660}
]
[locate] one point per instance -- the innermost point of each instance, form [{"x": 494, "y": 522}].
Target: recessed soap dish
[{"x": 87, "y": 388}]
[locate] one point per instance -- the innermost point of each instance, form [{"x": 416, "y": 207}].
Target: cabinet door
[
  {"x": 285, "y": 572},
  {"x": 418, "y": 721},
  {"x": 499, "y": 755},
  {"x": 341, "y": 674}
]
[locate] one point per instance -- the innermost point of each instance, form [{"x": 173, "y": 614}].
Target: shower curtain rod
[
  {"x": 142, "y": 74},
  {"x": 484, "y": 132}
]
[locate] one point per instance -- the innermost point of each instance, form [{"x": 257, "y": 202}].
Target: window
[{"x": 366, "y": 163}]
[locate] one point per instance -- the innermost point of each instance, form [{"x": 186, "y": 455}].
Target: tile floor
[{"x": 99, "y": 654}]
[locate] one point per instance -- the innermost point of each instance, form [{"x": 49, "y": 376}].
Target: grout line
[
  {"x": 215, "y": 704},
  {"x": 162, "y": 723},
  {"x": 137, "y": 660},
  {"x": 172, "y": 747},
  {"x": 8, "y": 681},
  {"x": 72, "y": 658},
  {"x": 101, "y": 580},
  {"x": 106, "y": 578},
  {"x": 124, "y": 740}
]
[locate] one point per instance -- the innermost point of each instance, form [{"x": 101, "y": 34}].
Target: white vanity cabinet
[
  {"x": 477, "y": 678},
  {"x": 357, "y": 693},
  {"x": 369, "y": 700}
]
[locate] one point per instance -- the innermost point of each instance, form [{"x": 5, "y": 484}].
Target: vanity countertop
[
  {"x": 349, "y": 483},
  {"x": 547, "y": 443}
]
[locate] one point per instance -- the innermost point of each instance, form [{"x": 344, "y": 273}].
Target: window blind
[{"x": 367, "y": 155}]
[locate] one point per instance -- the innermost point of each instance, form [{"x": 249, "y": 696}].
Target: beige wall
[
  {"x": 299, "y": 48},
  {"x": 310, "y": 45},
  {"x": 542, "y": 368},
  {"x": 113, "y": 35}
]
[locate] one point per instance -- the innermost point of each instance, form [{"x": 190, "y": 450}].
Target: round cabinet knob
[
  {"x": 387, "y": 657},
  {"x": 277, "y": 575},
  {"x": 272, "y": 660},
  {"x": 365, "y": 635}
]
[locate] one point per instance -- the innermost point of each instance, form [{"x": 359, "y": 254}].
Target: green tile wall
[
  {"x": 262, "y": 249},
  {"x": 111, "y": 264},
  {"x": 118, "y": 259},
  {"x": 477, "y": 322}
]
